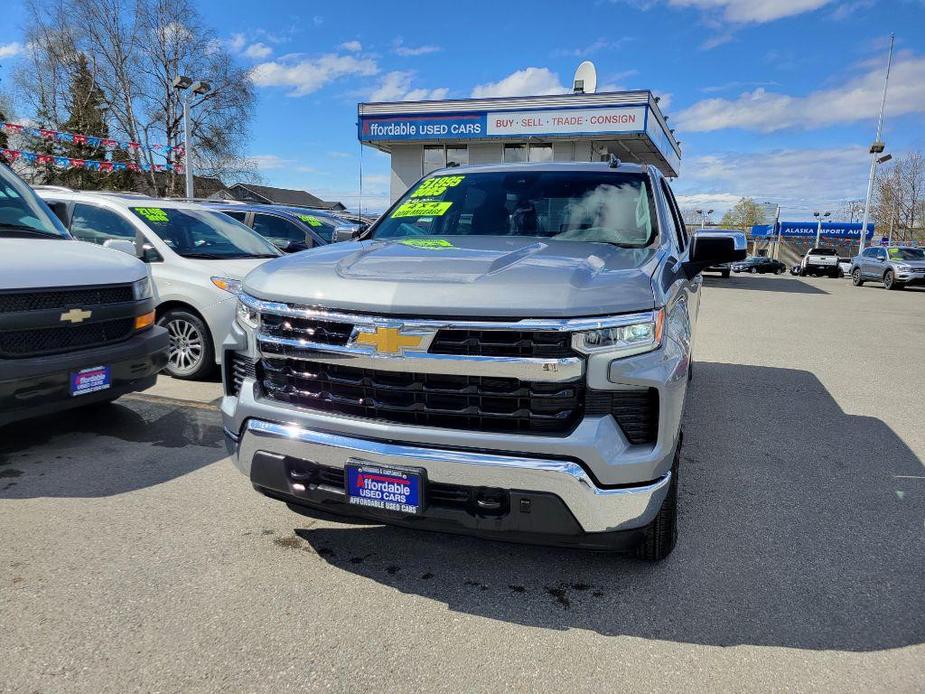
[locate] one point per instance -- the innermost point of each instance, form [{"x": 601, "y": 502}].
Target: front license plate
[
  {"x": 91, "y": 380},
  {"x": 387, "y": 488}
]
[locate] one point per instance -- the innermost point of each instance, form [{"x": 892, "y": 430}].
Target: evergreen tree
[{"x": 86, "y": 116}]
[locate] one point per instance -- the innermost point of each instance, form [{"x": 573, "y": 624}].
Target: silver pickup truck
[{"x": 505, "y": 353}]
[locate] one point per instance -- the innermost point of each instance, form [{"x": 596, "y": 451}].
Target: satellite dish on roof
[{"x": 585, "y": 81}]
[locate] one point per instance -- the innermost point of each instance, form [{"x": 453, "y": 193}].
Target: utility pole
[
  {"x": 181, "y": 83},
  {"x": 876, "y": 148}
]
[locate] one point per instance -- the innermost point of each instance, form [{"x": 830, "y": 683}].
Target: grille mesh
[
  {"x": 503, "y": 343},
  {"x": 45, "y": 299},
  {"x": 636, "y": 411},
  {"x": 323, "y": 332},
  {"x": 449, "y": 401},
  {"x": 23, "y": 343}
]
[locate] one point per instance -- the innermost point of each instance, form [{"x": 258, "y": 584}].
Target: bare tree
[
  {"x": 900, "y": 196},
  {"x": 744, "y": 215},
  {"x": 136, "y": 48},
  {"x": 852, "y": 210}
]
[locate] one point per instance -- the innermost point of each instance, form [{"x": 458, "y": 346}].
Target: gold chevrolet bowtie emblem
[
  {"x": 76, "y": 315},
  {"x": 389, "y": 340}
]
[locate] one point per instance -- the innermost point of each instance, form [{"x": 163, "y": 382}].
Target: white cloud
[
  {"x": 664, "y": 100},
  {"x": 8, "y": 50},
  {"x": 532, "y": 81},
  {"x": 800, "y": 180},
  {"x": 273, "y": 162},
  {"x": 856, "y": 99},
  {"x": 401, "y": 49},
  {"x": 258, "y": 51},
  {"x": 396, "y": 86},
  {"x": 318, "y": 20},
  {"x": 237, "y": 42},
  {"x": 741, "y": 11},
  {"x": 352, "y": 46},
  {"x": 304, "y": 76}
]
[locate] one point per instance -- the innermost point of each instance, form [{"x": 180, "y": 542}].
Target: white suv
[{"x": 197, "y": 257}]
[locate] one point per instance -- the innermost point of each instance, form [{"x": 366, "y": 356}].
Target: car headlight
[
  {"x": 142, "y": 289},
  {"x": 633, "y": 335},
  {"x": 247, "y": 316},
  {"x": 902, "y": 267},
  {"x": 227, "y": 284}
]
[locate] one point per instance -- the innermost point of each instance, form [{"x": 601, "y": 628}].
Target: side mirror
[
  {"x": 60, "y": 210},
  {"x": 295, "y": 247},
  {"x": 715, "y": 247},
  {"x": 346, "y": 233},
  {"x": 121, "y": 245}
]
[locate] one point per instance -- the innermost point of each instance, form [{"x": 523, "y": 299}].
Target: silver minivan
[{"x": 198, "y": 257}]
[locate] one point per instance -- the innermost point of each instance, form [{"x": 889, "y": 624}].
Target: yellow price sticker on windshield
[
  {"x": 435, "y": 187},
  {"x": 311, "y": 221},
  {"x": 422, "y": 208},
  {"x": 152, "y": 214}
]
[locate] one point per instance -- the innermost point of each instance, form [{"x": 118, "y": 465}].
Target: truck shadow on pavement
[
  {"x": 798, "y": 529},
  {"x": 763, "y": 283},
  {"x": 93, "y": 452}
]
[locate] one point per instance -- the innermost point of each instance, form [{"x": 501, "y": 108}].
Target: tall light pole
[
  {"x": 181, "y": 84},
  {"x": 819, "y": 216},
  {"x": 703, "y": 216},
  {"x": 876, "y": 148}
]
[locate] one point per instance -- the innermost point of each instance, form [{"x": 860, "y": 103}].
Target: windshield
[
  {"x": 906, "y": 253},
  {"x": 614, "y": 208},
  {"x": 321, "y": 225},
  {"x": 23, "y": 213},
  {"x": 204, "y": 234}
]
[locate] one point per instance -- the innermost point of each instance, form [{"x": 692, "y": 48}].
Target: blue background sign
[
  {"x": 830, "y": 230},
  {"x": 422, "y": 127}
]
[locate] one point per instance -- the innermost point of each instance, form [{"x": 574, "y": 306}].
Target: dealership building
[{"x": 422, "y": 136}]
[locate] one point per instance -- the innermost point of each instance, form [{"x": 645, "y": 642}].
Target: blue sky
[{"x": 775, "y": 99}]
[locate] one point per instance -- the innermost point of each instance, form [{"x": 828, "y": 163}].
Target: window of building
[
  {"x": 458, "y": 155},
  {"x": 97, "y": 225},
  {"x": 515, "y": 153},
  {"x": 541, "y": 152},
  {"x": 434, "y": 158}
]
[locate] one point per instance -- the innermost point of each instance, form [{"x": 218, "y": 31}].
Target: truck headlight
[
  {"x": 633, "y": 335},
  {"x": 142, "y": 289},
  {"x": 227, "y": 284},
  {"x": 247, "y": 316}
]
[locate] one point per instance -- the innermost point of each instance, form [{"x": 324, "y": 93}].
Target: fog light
[{"x": 146, "y": 320}]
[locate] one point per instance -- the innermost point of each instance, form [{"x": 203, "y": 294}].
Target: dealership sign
[
  {"x": 482, "y": 124},
  {"x": 830, "y": 230}
]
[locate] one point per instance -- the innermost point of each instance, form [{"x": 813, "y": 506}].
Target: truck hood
[
  {"x": 483, "y": 277},
  {"x": 35, "y": 263}
]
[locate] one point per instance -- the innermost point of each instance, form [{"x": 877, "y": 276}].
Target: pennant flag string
[
  {"x": 106, "y": 166},
  {"x": 89, "y": 140}
]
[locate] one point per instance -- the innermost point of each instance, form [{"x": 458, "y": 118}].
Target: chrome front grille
[{"x": 500, "y": 376}]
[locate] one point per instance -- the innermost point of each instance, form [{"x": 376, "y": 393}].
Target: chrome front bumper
[{"x": 596, "y": 509}]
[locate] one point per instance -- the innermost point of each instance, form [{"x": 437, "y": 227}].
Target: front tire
[
  {"x": 889, "y": 281},
  {"x": 779, "y": 271},
  {"x": 754, "y": 271},
  {"x": 661, "y": 535},
  {"x": 190, "y": 354},
  {"x": 856, "y": 277}
]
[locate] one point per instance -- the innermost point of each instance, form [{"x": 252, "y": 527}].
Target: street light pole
[
  {"x": 181, "y": 83},
  {"x": 703, "y": 216},
  {"x": 876, "y": 148},
  {"x": 819, "y": 216},
  {"x": 188, "y": 148}
]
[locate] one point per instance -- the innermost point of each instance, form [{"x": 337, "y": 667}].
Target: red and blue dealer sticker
[
  {"x": 389, "y": 489},
  {"x": 91, "y": 380}
]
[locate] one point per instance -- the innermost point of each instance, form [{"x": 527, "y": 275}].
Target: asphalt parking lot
[{"x": 134, "y": 556}]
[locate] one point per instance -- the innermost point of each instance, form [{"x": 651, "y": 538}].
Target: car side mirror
[
  {"x": 346, "y": 233},
  {"x": 60, "y": 210},
  {"x": 715, "y": 247},
  {"x": 121, "y": 245}
]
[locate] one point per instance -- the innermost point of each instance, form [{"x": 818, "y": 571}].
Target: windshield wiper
[{"x": 22, "y": 229}]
